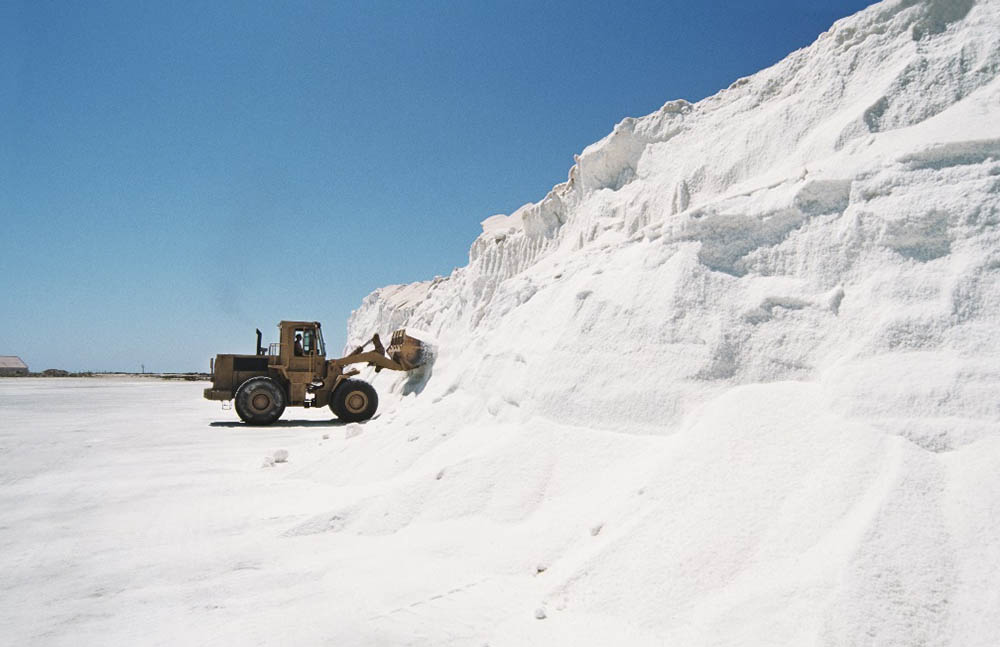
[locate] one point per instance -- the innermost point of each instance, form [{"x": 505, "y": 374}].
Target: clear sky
[{"x": 175, "y": 174}]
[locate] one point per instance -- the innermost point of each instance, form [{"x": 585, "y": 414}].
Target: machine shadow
[{"x": 282, "y": 423}]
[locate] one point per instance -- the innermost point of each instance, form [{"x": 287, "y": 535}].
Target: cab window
[{"x": 304, "y": 341}]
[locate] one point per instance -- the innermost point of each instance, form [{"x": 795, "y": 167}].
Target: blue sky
[{"x": 176, "y": 174}]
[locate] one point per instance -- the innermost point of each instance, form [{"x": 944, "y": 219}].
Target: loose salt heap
[{"x": 755, "y": 341}]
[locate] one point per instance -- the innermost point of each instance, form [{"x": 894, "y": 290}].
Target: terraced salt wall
[
  {"x": 734, "y": 382},
  {"x": 831, "y": 219}
]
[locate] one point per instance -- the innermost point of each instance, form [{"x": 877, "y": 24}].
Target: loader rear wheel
[
  {"x": 354, "y": 401},
  {"x": 259, "y": 401}
]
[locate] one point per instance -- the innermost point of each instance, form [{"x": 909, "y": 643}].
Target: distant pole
[{"x": 143, "y": 367}]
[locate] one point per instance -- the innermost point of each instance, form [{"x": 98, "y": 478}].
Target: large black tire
[
  {"x": 354, "y": 401},
  {"x": 260, "y": 401}
]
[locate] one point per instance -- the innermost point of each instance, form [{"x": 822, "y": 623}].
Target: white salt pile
[{"x": 754, "y": 341}]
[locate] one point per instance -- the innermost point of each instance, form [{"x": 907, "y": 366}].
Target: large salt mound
[{"x": 737, "y": 381}]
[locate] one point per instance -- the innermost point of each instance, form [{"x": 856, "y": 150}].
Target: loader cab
[{"x": 301, "y": 344}]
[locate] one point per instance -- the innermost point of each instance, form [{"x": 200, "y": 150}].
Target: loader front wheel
[
  {"x": 354, "y": 401},
  {"x": 259, "y": 401}
]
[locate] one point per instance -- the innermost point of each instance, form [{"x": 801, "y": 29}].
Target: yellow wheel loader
[{"x": 295, "y": 372}]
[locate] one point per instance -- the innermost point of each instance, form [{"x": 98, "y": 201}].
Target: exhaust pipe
[{"x": 260, "y": 348}]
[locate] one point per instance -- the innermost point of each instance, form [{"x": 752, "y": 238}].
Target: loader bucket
[{"x": 406, "y": 351}]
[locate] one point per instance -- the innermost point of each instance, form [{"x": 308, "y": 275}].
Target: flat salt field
[{"x": 134, "y": 512}]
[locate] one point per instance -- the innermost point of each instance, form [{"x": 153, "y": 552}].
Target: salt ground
[
  {"x": 735, "y": 382},
  {"x": 134, "y": 512}
]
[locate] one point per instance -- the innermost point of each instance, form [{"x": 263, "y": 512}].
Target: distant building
[{"x": 12, "y": 366}]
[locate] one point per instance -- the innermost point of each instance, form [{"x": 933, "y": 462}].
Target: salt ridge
[
  {"x": 755, "y": 339},
  {"x": 813, "y": 194}
]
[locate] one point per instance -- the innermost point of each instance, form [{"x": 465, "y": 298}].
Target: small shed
[{"x": 12, "y": 366}]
